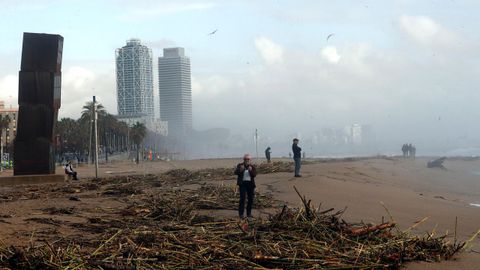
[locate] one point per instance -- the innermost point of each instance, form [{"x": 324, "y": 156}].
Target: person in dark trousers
[
  {"x": 297, "y": 157},
  {"x": 69, "y": 170},
  {"x": 267, "y": 153},
  {"x": 246, "y": 173}
]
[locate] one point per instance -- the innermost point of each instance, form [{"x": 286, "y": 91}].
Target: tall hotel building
[
  {"x": 175, "y": 90},
  {"x": 134, "y": 83}
]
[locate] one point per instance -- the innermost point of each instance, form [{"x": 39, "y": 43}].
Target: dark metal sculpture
[{"x": 39, "y": 101}]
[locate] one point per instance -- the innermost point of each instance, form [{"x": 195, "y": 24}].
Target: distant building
[
  {"x": 134, "y": 82},
  {"x": 132, "y": 119},
  {"x": 331, "y": 136},
  {"x": 8, "y": 135},
  {"x": 360, "y": 134},
  {"x": 160, "y": 127},
  {"x": 175, "y": 89},
  {"x": 356, "y": 134}
]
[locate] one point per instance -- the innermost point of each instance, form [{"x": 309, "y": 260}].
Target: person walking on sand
[
  {"x": 268, "y": 151},
  {"x": 297, "y": 157},
  {"x": 246, "y": 173}
]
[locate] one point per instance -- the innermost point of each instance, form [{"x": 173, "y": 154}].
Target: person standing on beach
[
  {"x": 297, "y": 157},
  {"x": 267, "y": 154},
  {"x": 246, "y": 173}
]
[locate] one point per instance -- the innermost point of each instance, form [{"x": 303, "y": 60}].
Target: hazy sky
[{"x": 409, "y": 68}]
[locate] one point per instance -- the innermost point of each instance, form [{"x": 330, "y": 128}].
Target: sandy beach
[{"x": 366, "y": 187}]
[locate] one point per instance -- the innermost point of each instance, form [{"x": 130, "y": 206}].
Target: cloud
[
  {"x": 77, "y": 78},
  {"x": 209, "y": 87},
  {"x": 80, "y": 84},
  {"x": 160, "y": 43},
  {"x": 394, "y": 91},
  {"x": 426, "y": 31},
  {"x": 330, "y": 54},
  {"x": 27, "y": 5},
  {"x": 271, "y": 52},
  {"x": 307, "y": 90},
  {"x": 163, "y": 8},
  {"x": 9, "y": 90}
]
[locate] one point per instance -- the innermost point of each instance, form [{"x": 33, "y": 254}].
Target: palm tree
[
  {"x": 137, "y": 134},
  {"x": 86, "y": 121},
  {"x": 87, "y": 111},
  {"x": 4, "y": 122},
  {"x": 70, "y": 134}
]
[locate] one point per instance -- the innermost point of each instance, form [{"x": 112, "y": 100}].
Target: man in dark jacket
[
  {"x": 268, "y": 151},
  {"x": 246, "y": 173},
  {"x": 297, "y": 157}
]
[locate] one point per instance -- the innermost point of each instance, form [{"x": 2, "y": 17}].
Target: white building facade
[{"x": 134, "y": 82}]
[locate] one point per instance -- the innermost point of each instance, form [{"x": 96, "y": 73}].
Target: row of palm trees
[{"x": 77, "y": 136}]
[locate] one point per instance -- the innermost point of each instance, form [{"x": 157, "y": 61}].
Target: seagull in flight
[
  {"x": 329, "y": 36},
  {"x": 213, "y": 32}
]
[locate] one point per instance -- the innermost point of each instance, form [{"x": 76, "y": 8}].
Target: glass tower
[{"x": 134, "y": 81}]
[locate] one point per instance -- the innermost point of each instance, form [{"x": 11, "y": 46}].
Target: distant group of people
[{"x": 408, "y": 150}]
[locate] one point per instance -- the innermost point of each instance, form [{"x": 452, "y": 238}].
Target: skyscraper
[
  {"x": 175, "y": 89},
  {"x": 134, "y": 82}
]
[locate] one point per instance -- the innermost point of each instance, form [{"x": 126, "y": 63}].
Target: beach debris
[
  {"x": 184, "y": 175},
  {"x": 169, "y": 229},
  {"x": 73, "y": 198},
  {"x": 436, "y": 163}
]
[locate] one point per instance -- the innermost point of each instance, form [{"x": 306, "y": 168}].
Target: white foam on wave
[{"x": 475, "y": 204}]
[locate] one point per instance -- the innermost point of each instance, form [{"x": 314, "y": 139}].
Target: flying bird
[
  {"x": 329, "y": 36},
  {"x": 213, "y": 32}
]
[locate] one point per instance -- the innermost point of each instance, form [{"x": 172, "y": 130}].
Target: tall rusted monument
[{"x": 39, "y": 101}]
